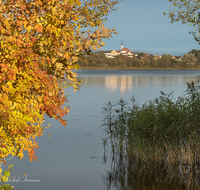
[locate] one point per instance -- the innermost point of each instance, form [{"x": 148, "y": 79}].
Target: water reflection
[
  {"x": 132, "y": 175},
  {"x": 127, "y": 83}
]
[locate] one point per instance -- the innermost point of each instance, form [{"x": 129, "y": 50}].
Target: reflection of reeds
[
  {"x": 163, "y": 133},
  {"x": 129, "y": 174}
]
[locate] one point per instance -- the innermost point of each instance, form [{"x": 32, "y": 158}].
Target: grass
[{"x": 162, "y": 133}]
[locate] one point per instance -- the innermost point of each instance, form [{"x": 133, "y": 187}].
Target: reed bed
[{"x": 161, "y": 132}]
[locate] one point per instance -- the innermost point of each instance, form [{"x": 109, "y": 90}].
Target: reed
[{"x": 164, "y": 131}]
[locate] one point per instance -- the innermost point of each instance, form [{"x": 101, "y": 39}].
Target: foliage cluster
[
  {"x": 163, "y": 132},
  {"x": 186, "y": 11},
  {"x": 40, "y": 43},
  {"x": 4, "y": 177},
  {"x": 196, "y": 53},
  {"x": 98, "y": 60}
]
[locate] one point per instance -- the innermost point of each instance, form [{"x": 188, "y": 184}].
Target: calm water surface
[{"x": 72, "y": 158}]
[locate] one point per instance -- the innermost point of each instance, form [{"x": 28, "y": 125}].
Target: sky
[{"x": 143, "y": 28}]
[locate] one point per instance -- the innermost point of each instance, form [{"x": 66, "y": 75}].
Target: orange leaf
[
  {"x": 78, "y": 3},
  {"x": 39, "y": 28},
  {"x": 23, "y": 7},
  {"x": 4, "y": 67},
  {"x": 63, "y": 122},
  {"x": 34, "y": 156}
]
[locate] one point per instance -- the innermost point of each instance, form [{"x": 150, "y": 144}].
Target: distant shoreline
[
  {"x": 100, "y": 61},
  {"x": 135, "y": 68}
]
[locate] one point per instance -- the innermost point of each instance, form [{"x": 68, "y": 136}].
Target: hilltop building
[
  {"x": 123, "y": 51},
  {"x": 122, "y": 46}
]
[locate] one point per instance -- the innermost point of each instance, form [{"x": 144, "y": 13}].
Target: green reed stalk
[{"x": 161, "y": 131}]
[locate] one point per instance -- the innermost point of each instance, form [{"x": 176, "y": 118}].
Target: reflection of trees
[
  {"x": 131, "y": 174},
  {"x": 126, "y": 83}
]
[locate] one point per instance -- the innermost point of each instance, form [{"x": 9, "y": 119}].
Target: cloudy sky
[{"x": 143, "y": 27}]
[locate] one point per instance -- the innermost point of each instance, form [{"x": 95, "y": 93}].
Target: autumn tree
[
  {"x": 166, "y": 60},
  {"x": 186, "y": 11},
  {"x": 40, "y": 43},
  {"x": 196, "y": 52},
  {"x": 189, "y": 59}
]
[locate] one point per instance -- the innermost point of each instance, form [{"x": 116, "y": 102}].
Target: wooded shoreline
[
  {"x": 135, "y": 68},
  {"x": 98, "y": 60}
]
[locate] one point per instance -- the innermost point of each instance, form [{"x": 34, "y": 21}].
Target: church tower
[{"x": 122, "y": 46}]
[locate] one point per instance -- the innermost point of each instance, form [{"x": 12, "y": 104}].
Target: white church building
[{"x": 124, "y": 51}]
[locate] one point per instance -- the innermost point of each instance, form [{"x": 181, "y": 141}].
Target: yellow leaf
[
  {"x": 75, "y": 59},
  {"x": 88, "y": 44},
  {"x": 59, "y": 65},
  {"x": 102, "y": 43},
  {"x": 76, "y": 66},
  {"x": 94, "y": 47},
  {"x": 6, "y": 56},
  {"x": 29, "y": 28},
  {"x": 71, "y": 2},
  {"x": 78, "y": 3}
]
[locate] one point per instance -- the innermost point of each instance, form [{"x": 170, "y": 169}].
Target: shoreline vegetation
[
  {"x": 135, "y": 68},
  {"x": 98, "y": 60},
  {"x": 159, "y": 137}
]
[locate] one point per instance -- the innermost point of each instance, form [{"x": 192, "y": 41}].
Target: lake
[{"x": 72, "y": 157}]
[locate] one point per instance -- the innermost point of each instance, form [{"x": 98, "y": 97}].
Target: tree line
[{"x": 99, "y": 60}]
